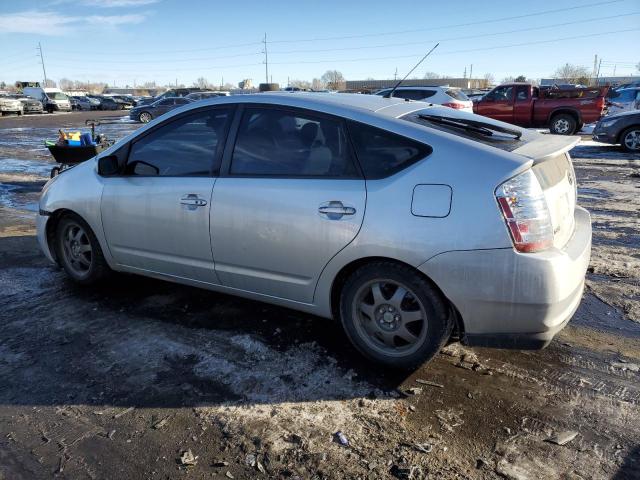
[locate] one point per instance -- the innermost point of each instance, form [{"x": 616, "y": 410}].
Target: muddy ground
[{"x": 120, "y": 381}]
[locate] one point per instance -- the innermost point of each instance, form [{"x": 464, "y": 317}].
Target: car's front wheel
[
  {"x": 145, "y": 117},
  {"x": 78, "y": 251},
  {"x": 630, "y": 139},
  {"x": 393, "y": 315}
]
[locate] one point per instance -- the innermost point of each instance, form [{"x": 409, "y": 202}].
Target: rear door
[
  {"x": 290, "y": 199},
  {"x": 156, "y": 214}
]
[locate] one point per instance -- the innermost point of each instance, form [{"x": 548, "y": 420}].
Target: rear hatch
[
  {"x": 553, "y": 168},
  {"x": 552, "y": 164}
]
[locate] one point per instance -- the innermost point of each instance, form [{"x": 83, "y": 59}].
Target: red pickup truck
[{"x": 563, "y": 111}]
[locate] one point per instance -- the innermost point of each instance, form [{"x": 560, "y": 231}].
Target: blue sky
[{"x": 127, "y": 41}]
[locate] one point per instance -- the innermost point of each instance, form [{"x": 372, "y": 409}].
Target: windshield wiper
[{"x": 476, "y": 126}]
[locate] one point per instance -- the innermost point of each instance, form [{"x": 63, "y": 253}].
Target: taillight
[
  {"x": 525, "y": 212},
  {"x": 457, "y": 106}
]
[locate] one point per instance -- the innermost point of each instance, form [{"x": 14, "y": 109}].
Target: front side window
[
  {"x": 188, "y": 146},
  {"x": 382, "y": 153},
  {"x": 501, "y": 94},
  {"x": 287, "y": 143}
]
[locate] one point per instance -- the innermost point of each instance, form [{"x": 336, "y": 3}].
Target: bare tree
[
  {"x": 572, "y": 73},
  {"x": 317, "y": 84},
  {"x": 66, "y": 84},
  {"x": 520, "y": 78},
  {"x": 489, "y": 79},
  {"x": 302, "y": 84},
  {"x": 50, "y": 83},
  {"x": 202, "y": 83},
  {"x": 333, "y": 78},
  {"x": 431, "y": 75}
]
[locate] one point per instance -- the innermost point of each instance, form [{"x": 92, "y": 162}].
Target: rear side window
[
  {"x": 188, "y": 146},
  {"x": 409, "y": 94},
  {"x": 382, "y": 153},
  {"x": 457, "y": 94},
  {"x": 291, "y": 143}
]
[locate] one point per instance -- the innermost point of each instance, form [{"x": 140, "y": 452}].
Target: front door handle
[
  {"x": 192, "y": 201},
  {"x": 335, "y": 210}
]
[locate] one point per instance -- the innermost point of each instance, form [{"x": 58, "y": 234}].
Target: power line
[
  {"x": 465, "y": 37},
  {"x": 493, "y": 20},
  {"x": 219, "y": 47},
  {"x": 463, "y": 51}
]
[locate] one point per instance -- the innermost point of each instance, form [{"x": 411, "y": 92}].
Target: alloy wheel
[
  {"x": 389, "y": 317},
  {"x": 561, "y": 126},
  {"x": 77, "y": 249},
  {"x": 632, "y": 140},
  {"x": 145, "y": 117}
]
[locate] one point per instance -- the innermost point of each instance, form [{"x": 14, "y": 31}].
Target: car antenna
[{"x": 388, "y": 95}]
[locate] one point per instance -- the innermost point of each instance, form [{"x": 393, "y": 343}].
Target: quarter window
[
  {"x": 383, "y": 153},
  {"x": 284, "y": 143},
  {"x": 188, "y": 146}
]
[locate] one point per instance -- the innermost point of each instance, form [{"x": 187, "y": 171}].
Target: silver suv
[{"x": 409, "y": 223}]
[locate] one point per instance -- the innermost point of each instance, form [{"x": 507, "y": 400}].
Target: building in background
[{"x": 373, "y": 85}]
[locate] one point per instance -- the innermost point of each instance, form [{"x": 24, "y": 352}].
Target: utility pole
[
  {"x": 266, "y": 60},
  {"x": 471, "y": 72},
  {"x": 395, "y": 75},
  {"x": 465, "y": 72},
  {"x": 42, "y": 60},
  {"x": 595, "y": 66},
  {"x": 598, "y": 73}
]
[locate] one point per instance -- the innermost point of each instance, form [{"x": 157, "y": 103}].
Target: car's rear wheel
[
  {"x": 393, "y": 315},
  {"x": 630, "y": 139},
  {"x": 79, "y": 252},
  {"x": 563, "y": 124},
  {"x": 145, "y": 117}
]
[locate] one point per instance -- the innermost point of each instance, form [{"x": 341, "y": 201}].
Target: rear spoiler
[{"x": 546, "y": 147}]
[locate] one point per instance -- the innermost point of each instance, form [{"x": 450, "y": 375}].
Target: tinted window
[
  {"x": 382, "y": 153},
  {"x": 522, "y": 93},
  {"x": 457, "y": 94},
  {"x": 281, "y": 142},
  {"x": 501, "y": 94},
  {"x": 409, "y": 94},
  {"x": 181, "y": 101},
  {"x": 166, "y": 101},
  {"x": 187, "y": 146}
]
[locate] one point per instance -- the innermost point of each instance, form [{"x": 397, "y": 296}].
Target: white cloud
[
  {"x": 53, "y": 23},
  {"x": 108, "y": 3}
]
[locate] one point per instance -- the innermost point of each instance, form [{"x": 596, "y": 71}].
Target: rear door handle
[
  {"x": 193, "y": 201},
  {"x": 335, "y": 210}
]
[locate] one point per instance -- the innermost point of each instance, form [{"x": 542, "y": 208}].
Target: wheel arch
[
  {"x": 625, "y": 130},
  {"x": 52, "y": 224},
  {"x": 344, "y": 273},
  {"x": 566, "y": 110}
]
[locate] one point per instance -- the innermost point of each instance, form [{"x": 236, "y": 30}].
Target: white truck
[{"x": 52, "y": 99}]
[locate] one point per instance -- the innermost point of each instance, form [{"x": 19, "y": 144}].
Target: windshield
[
  {"x": 476, "y": 132},
  {"x": 57, "y": 96}
]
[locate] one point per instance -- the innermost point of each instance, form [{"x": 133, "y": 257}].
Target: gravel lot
[{"x": 146, "y": 379}]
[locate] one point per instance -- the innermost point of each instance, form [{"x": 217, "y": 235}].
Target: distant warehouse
[{"x": 372, "y": 85}]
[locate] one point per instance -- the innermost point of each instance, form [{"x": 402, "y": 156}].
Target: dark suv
[{"x": 174, "y": 92}]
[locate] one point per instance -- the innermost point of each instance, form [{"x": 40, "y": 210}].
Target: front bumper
[
  {"x": 41, "y": 234},
  {"x": 515, "y": 300},
  {"x": 603, "y": 136}
]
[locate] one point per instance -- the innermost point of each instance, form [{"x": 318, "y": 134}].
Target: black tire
[
  {"x": 94, "y": 267},
  {"x": 630, "y": 139},
  {"x": 563, "y": 124},
  {"x": 366, "y": 324}
]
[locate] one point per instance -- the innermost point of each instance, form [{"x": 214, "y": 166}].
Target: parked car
[
  {"x": 174, "y": 92},
  {"x": 563, "y": 111},
  {"x": 29, "y": 104},
  {"x": 446, "y": 96},
  {"x": 623, "y": 100},
  {"x": 10, "y": 105},
  {"x": 146, "y": 113},
  {"x": 408, "y": 222},
  {"x": 107, "y": 103},
  {"x": 53, "y": 99},
  {"x": 205, "y": 95},
  {"x": 621, "y": 129},
  {"x": 85, "y": 103}
]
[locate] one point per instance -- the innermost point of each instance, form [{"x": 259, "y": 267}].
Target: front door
[
  {"x": 156, "y": 215},
  {"x": 291, "y": 199},
  {"x": 498, "y": 104}
]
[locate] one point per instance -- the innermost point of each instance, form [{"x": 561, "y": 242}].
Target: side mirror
[{"x": 108, "y": 165}]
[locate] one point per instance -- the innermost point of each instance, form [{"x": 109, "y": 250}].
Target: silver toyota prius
[{"x": 410, "y": 223}]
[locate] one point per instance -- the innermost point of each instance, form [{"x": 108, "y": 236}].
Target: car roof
[{"x": 344, "y": 104}]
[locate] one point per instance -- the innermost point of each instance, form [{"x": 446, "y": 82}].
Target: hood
[{"x": 620, "y": 115}]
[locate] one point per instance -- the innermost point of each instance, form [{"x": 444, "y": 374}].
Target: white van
[{"x": 52, "y": 98}]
